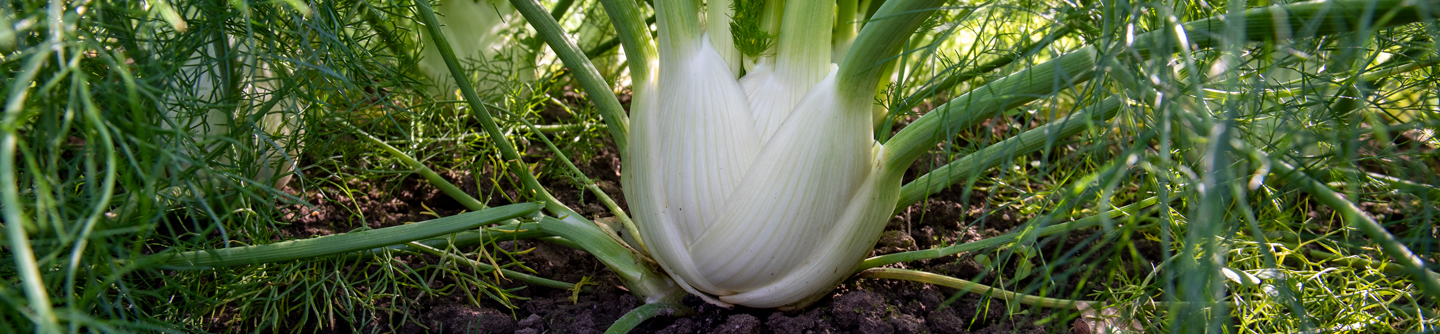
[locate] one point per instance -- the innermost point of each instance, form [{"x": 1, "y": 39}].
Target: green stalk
[
  {"x": 802, "y": 54},
  {"x": 385, "y": 29},
  {"x": 15, "y": 219},
  {"x": 560, "y": 242},
  {"x": 774, "y": 10},
  {"x": 977, "y": 288},
  {"x": 638, "y": 316},
  {"x": 982, "y": 103},
  {"x": 561, "y": 7},
  {"x": 1318, "y": 17},
  {"x": 429, "y": 174},
  {"x": 602, "y": 47},
  {"x": 870, "y": 7},
  {"x": 552, "y": 128},
  {"x": 1262, "y": 24},
  {"x": 507, "y": 150},
  {"x": 1428, "y": 280},
  {"x": 345, "y": 242},
  {"x": 510, "y": 230},
  {"x": 638, "y": 273},
  {"x": 882, "y": 37},
  {"x": 485, "y": 268},
  {"x": 1034, "y": 139},
  {"x": 634, "y": 35},
  {"x": 1414, "y": 188},
  {"x": 718, "y": 15},
  {"x": 1304, "y": 255},
  {"x": 20, "y": 248},
  {"x": 580, "y": 66},
  {"x": 934, "y": 253},
  {"x": 949, "y": 82},
  {"x": 845, "y": 23},
  {"x": 633, "y": 269},
  {"x": 107, "y": 187},
  {"x": 679, "y": 20},
  {"x": 589, "y": 185},
  {"x": 1300, "y": 86}
]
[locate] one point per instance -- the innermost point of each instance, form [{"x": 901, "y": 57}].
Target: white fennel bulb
[
  {"x": 478, "y": 31},
  {"x": 198, "y": 105},
  {"x": 764, "y": 190}
]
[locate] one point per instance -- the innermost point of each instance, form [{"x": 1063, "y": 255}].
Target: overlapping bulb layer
[{"x": 764, "y": 190}]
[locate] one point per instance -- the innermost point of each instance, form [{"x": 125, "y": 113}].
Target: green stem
[
  {"x": 802, "y": 54},
  {"x": 561, "y": 7},
  {"x": 486, "y": 268},
  {"x": 933, "y": 253},
  {"x": 26, "y": 267},
  {"x": 984, "y": 102},
  {"x": 634, "y": 34},
  {"x": 1428, "y": 280},
  {"x": 638, "y": 316},
  {"x": 637, "y": 272},
  {"x": 343, "y": 243},
  {"x": 882, "y": 37},
  {"x": 107, "y": 187},
  {"x": 590, "y": 185},
  {"x": 603, "y": 47},
  {"x": 845, "y": 23},
  {"x": 718, "y": 15},
  {"x": 770, "y": 19},
  {"x": 507, "y": 150},
  {"x": 1318, "y": 18},
  {"x": 429, "y": 174},
  {"x": 949, "y": 82},
  {"x": 1414, "y": 188},
  {"x": 580, "y": 66},
  {"x": 552, "y": 128},
  {"x": 1034, "y": 139},
  {"x": 1305, "y": 254},
  {"x": 510, "y": 230},
  {"x": 632, "y": 268},
  {"x": 869, "y": 7},
  {"x": 1304, "y": 86},
  {"x": 678, "y": 24},
  {"x": 1262, "y": 24},
  {"x": 385, "y": 30},
  {"x": 972, "y": 287},
  {"x": 561, "y": 242}
]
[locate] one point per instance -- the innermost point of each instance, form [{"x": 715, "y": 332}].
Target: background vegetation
[{"x": 134, "y": 130}]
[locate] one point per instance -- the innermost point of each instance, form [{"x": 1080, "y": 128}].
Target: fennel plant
[
  {"x": 765, "y": 189},
  {"x": 761, "y": 157}
]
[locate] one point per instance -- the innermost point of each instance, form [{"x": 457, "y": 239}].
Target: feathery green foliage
[{"x": 1231, "y": 166}]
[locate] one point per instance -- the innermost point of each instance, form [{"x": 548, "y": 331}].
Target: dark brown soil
[{"x": 857, "y": 306}]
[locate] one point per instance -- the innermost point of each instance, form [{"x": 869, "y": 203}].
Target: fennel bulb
[
  {"x": 218, "y": 92},
  {"x": 478, "y": 31},
  {"x": 764, "y": 190}
]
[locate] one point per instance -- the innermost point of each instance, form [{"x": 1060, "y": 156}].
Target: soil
[{"x": 857, "y": 306}]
